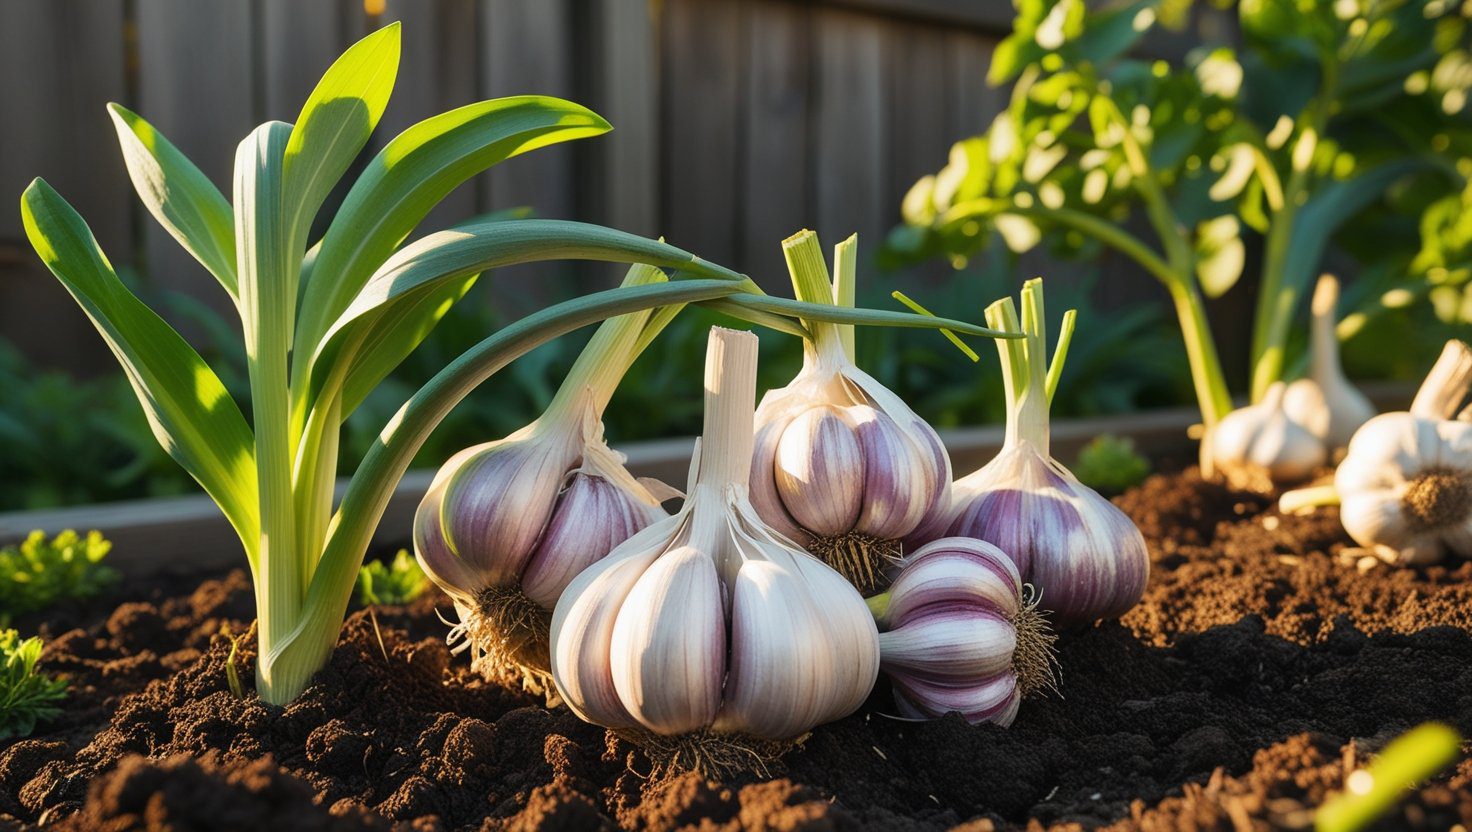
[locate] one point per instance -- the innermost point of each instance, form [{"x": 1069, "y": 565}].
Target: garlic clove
[
  {"x": 819, "y": 471},
  {"x": 591, "y": 518},
  {"x": 582, "y": 629},
  {"x": 958, "y": 571},
  {"x": 448, "y": 571},
  {"x": 668, "y": 645},
  {"x": 497, "y": 503},
  {"x": 901, "y": 484},
  {"x": 994, "y": 699},
  {"x": 950, "y": 644},
  {"x": 763, "y": 481}
]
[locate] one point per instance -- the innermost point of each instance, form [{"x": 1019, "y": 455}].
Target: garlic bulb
[
  {"x": 959, "y": 637},
  {"x": 1325, "y": 403},
  {"x": 707, "y": 637},
  {"x": 1259, "y": 446},
  {"x": 1083, "y": 554},
  {"x": 843, "y": 466},
  {"x": 1405, "y": 485},
  {"x": 505, "y": 526}
]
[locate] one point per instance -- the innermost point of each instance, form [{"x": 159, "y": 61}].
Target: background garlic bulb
[
  {"x": 1326, "y": 403},
  {"x": 1082, "y": 553},
  {"x": 707, "y": 637},
  {"x": 959, "y": 637},
  {"x": 1259, "y": 446},
  {"x": 843, "y": 466},
  {"x": 505, "y": 526},
  {"x": 1405, "y": 485}
]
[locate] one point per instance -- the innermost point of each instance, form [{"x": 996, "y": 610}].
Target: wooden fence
[{"x": 737, "y": 121}]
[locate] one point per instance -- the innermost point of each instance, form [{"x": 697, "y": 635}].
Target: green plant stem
[
  {"x": 1276, "y": 301},
  {"x": 301, "y": 652},
  {"x": 810, "y": 284},
  {"x": 845, "y": 278}
]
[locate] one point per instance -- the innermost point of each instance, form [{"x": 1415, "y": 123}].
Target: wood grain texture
[
  {"x": 776, "y": 190},
  {"x": 61, "y": 61},
  {"x": 852, "y": 127},
  {"x": 622, "y": 37}
]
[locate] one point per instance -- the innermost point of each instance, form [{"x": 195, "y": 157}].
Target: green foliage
[
  {"x": 38, "y": 572},
  {"x": 1331, "y": 114},
  {"x": 394, "y": 583},
  {"x": 1110, "y": 464},
  {"x": 1409, "y": 759},
  {"x": 27, "y": 696}
]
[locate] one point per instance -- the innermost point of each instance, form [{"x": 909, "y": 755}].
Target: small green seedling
[
  {"x": 1110, "y": 464},
  {"x": 26, "y": 695},
  {"x": 1370, "y": 792},
  {"x": 38, "y": 573},
  {"x": 394, "y": 583}
]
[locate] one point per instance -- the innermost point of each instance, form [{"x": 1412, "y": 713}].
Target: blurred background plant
[
  {"x": 37, "y": 572},
  {"x": 1335, "y": 123}
]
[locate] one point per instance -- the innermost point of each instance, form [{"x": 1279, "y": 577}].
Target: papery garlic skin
[
  {"x": 958, "y": 636},
  {"x": 1088, "y": 558},
  {"x": 1325, "y": 403},
  {"x": 843, "y": 466},
  {"x": 709, "y": 624},
  {"x": 1085, "y": 557},
  {"x": 1259, "y": 446},
  {"x": 1405, "y": 488},
  {"x": 505, "y": 526}
]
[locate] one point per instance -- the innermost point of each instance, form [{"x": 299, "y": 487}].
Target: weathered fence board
[{"x": 737, "y": 121}]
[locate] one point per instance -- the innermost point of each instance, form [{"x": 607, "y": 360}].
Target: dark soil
[{"x": 1262, "y": 666}]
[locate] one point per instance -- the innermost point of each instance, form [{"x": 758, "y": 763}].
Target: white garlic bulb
[
  {"x": 843, "y": 466},
  {"x": 1326, "y": 403},
  {"x": 1259, "y": 446},
  {"x": 1087, "y": 559},
  {"x": 708, "y": 630},
  {"x": 1405, "y": 485},
  {"x": 958, "y": 635},
  {"x": 505, "y": 526}
]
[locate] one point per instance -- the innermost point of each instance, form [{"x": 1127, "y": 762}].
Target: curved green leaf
[
  {"x": 336, "y": 121},
  {"x": 183, "y": 200},
  {"x": 411, "y": 175},
  {"x": 189, "y": 410}
]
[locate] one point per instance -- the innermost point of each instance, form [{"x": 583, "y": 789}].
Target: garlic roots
[
  {"x": 842, "y": 465},
  {"x": 708, "y": 631},
  {"x": 1259, "y": 446},
  {"x": 1405, "y": 485},
  {"x": 1325, "y": 403},
  {"x": 505, "y": 526},
  {"x": 959, "y": 636},
  {"x": 1086, "y": 558}
]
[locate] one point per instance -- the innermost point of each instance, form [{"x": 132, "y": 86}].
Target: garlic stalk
[
  {"x": 843, "y": 466},
  {"x": 1258, "y": 446},
  {"x": 1082, "y": 553},
  {"x": 958, "y": 635},
  {"x": 1405, "y": 485},
  {"x": 707, "y": 637},
  {"x": 1326, "y": 403},
  {"x": 505, "y": 526}
]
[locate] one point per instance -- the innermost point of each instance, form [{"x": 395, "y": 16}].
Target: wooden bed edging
[{"x": 189, "y": 533}]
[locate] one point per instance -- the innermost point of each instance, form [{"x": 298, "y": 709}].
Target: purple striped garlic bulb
[
  {"x": 958, "y": 635},
  {"x": 1085, "y": 557},
  {"x": 843, "y": 466},
  {"x": 708, "y": 638},
  {"x": 505, "y": 526}
]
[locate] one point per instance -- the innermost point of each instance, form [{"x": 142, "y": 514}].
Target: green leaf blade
[
  {"x": 188, "y": 408},
  {"x": 183, "y": 200}
]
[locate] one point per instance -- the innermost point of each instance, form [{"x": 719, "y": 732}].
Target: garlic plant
[
  {"x": 1083, "y": 554},
  {"x": 842, "y": 465},
  {"x": 958, "y": 635},
  {"x": 1405, "y": 485},
  {"x": 1259, "y": 446},
  {"x": 708, "y": 637},
  {"x": 506, "y": 525},
  {"x": 1325, "y": 403}
]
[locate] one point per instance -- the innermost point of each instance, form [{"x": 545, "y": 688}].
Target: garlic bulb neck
[
  {"x": 1437, "y": 498},
  {"x": 726, "y": 438},
  {"x": 1326, "y": 403}
]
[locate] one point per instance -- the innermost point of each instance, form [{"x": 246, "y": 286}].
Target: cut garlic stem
[
  {"x": 845, "y": 276},
  {"x": 1440, "y": 395},
  {"x": 1305, "y": 500}
]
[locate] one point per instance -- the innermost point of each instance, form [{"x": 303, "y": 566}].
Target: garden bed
[{"x": 1259, "y": 667}]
